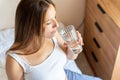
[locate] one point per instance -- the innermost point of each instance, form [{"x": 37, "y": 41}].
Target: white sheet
[
  {"x": 3, "y": 75},
  {"x": 6, "y": 40}
]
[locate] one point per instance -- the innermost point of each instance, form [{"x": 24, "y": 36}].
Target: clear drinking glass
[{"x": 68, "y": 33}]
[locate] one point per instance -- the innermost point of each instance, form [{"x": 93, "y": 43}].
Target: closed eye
[{"x": 48, "y": 23}]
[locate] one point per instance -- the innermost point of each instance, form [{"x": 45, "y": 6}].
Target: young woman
[{"x": 38, "y": 52}]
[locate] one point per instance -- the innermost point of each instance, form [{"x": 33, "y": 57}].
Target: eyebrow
[
  {"x": 50, "y": 19},
  {"x": 47, "y": 20}
]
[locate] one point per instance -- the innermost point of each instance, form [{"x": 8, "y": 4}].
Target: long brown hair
[{"x": 29, "y": 29}]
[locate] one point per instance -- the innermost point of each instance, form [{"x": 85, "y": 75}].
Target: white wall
[
  {"x": 68, "y": 11},
  {"x": 7, "y": 12}
]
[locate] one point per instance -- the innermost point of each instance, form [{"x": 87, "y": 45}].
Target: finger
[
  {"x": 65, "y": 44},
  {"x": 78, "y": 34},
  {"x": 80, "y": 39}
]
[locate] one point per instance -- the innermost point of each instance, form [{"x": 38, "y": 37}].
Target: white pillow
[
  {"x": 3, "y": 75},
  {"x": 6, "y": 40}
]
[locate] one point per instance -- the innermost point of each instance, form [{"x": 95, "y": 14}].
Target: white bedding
[{"x": 7, "y": 39}]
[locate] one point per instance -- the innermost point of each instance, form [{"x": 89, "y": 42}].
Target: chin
[{"x": 50, "y": 37}]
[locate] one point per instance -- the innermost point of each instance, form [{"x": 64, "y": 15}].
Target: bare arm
[
  {"x": 13, "y": 69},
  {"x": 65, "y": 48}
]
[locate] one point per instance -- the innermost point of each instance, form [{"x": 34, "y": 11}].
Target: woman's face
[{"x": 50, "y": 23}]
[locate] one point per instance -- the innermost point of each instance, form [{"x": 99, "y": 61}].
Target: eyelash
[{"x": 48, "y": 23}]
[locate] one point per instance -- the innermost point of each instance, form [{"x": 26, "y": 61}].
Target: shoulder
[
  {"x": 13, "y": 68},
  {"x": 11, "y": 60}
]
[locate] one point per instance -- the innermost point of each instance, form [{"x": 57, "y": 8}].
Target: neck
[{"x": 47, "y": 42}]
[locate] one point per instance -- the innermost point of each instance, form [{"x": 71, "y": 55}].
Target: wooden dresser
[{"x": 102, "y": 36}]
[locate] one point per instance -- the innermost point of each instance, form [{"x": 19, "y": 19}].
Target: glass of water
[{"x": 68, "y": 33}]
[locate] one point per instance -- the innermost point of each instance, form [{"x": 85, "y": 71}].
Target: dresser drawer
[
  {"x": 96, "y": 56},
  {"x": 104, "y": 42},
  {"x": 106, "y": 24},
  {"x": 100, "y": 42},
  {"x": 99, "y": 67}
]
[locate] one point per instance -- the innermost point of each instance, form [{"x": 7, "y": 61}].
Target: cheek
[{"x": 47, "y": 31}]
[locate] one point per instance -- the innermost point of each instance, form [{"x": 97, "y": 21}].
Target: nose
[{"x": 55, "y": 23}]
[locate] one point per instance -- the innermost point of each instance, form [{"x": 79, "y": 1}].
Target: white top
[{"x": 51, "y": 69}]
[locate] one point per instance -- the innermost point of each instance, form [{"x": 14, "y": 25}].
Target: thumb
[{"x": 65, "y": 44}]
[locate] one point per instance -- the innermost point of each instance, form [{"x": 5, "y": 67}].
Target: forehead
[{"x": 51, "y": 13}]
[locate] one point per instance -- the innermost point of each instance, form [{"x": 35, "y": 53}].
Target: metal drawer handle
[
  {"x": 96, "y": 42},
  {"x": 94, "y": 57},
  {"x": 101, "y": 9},
  {"x": 98, "y": 27}
]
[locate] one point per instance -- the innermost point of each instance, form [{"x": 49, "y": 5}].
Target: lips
[{"x": 53, "y": 32}]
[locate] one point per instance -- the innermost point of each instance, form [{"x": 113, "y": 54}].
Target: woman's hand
[
  {"x": 64, "y": 46},
  {"x": 71, "y": 54}
]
